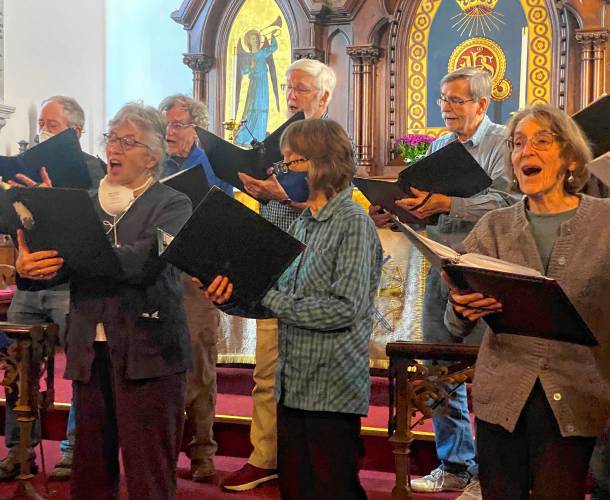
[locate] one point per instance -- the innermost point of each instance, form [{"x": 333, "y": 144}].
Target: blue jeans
[
  {"x": 455, "y": 446},
  {"x": 600, "y": 467},
  {"x": 31, "y": 308}
]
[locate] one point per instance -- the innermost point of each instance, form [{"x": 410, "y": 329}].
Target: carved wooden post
[
  {"x": 200, "y": 64},
  {"x": 309, "y": 53},
  {"x": 364, "y": 59},
  {"x": 593, "y": 48}
]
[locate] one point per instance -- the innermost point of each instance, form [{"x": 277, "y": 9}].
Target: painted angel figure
[{"x": 255, "y": 62}]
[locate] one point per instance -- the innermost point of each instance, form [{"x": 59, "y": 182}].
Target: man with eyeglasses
[
  {"x": 309, "y": 88},
  {"x": 46, "y": 301},
  {"x": 465, "y": 97},
  {"x": 183, "y": 114}
]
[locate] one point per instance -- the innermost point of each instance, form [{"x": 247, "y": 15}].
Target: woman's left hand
[{"x": 42, "y": 265}]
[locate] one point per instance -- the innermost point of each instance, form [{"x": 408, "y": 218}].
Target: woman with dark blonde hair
[
  {"x": 324, "y": 304},
  {"x": 540, "y": 403}
]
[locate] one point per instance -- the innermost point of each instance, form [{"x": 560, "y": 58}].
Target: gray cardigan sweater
[{"x": 575, "y": 379}]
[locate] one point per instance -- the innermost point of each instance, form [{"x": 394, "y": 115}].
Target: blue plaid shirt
[{"x": 324, "y": 303}]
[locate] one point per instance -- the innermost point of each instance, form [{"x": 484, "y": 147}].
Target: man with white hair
[
  {"x": 183, "y": 114},
  {"x": 43, "y": 301},
  {"x": 310, "y": 86}
]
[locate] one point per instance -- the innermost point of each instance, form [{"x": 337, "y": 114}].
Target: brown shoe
[
  {"x": 62, "y": 470},
  {"x": 202, "y": 470},
  {"x": 248, "y": 478}
]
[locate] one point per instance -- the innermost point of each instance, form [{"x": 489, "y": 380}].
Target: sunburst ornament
[{"x": 477, "y": 17}]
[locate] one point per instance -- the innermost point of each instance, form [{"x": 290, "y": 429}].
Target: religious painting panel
[
  {"x": 509, "y": 38},
  {"x": 258, "y": 53}
]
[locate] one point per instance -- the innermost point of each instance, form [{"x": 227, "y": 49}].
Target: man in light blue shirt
[{"x": 464, "y": 99}]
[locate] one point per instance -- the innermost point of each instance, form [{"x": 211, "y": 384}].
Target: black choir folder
[
  {"x": 383, "y": 193},
  {"x": 451, "y": 171},
  {"x": 227, "y": 159},
  {"x": 594, "y": 122},
  {"x": 225, "y": 237},
  {"x": 532, "y": 304},
  {"x": 65, "y": 220},
  {"x": 61, "y": 155},
  {"x": 192, "y": 182}
]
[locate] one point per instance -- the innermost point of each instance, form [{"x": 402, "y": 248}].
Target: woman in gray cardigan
[{"x": 541, "y": 403}]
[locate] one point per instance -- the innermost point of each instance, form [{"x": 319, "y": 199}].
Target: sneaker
[
  {"x": 440, "y": 480},
  {"x": 472, "y": 491},
  {"x": 10, "y": 468},
  {"x": 202, "y": 470},
  {"x": 62, "y": 470},
  {"x": 248, "y": 478}
]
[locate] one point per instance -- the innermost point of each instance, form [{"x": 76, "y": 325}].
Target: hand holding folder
[
  {"x": 531, "y": 304},
  {"x": 225, "y": 238},
  {"x": 63, "y": 220},
  {"x": 228, "y": 160},
  {"x": 61, "y": 156}
]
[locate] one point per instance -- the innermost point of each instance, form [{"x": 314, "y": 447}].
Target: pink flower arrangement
[{"x": 411, "y": 147}]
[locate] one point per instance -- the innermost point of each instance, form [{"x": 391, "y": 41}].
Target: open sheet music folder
[
  {"x": 61, "y": 155},
  {"x": 227, "y": 159},
  {"x": 532, "y": 304},
  {"x": 224, "y": 237},
  {"x": 63, "y": 220},
  {"x": 451, "y": 171}
]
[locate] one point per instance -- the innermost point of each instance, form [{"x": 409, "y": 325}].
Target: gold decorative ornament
[
  {"x": 483, "y": 53},
  {"x": 477, "y": 16}
]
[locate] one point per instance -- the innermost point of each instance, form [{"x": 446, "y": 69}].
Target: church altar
[{"x": 398, "y": 304}]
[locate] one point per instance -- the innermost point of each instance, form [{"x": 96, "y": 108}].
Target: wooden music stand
[
  {"x": 26, "y": 360},
  {"x": 414, "y": 387}
]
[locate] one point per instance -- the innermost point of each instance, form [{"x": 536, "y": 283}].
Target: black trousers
[
  {"x": 534, "y": 459},
  {"x": 318, "y": 455},
  {"x": 144, "y": 418}
]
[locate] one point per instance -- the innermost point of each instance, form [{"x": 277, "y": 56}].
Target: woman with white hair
[{"x": 128, "y": 344}]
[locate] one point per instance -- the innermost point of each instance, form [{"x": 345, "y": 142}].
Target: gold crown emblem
[{"x": 477, "y": 7}]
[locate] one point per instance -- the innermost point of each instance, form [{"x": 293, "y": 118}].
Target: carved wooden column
[
  {"x": 200, "y": 64},
  {"x": 309, "y": 53},
  {"x": 364, "y": 59},
  {"x": 593, "y": 48}
]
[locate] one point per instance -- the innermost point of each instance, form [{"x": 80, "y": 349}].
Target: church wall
[{"x": 51, "y": 50}]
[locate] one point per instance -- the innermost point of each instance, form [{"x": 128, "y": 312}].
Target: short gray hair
[
  {"x": 197, "y": 109},
  {"x": 148, "y": 120},
  {"x": 324, "y": 77},
  {"x": 479, "y": 81},
  {"x": 574, "y": 146},
  {"x": 72, "y": 109}
]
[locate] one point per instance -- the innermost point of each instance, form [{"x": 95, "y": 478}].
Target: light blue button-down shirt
[{"x": 488, "y": 147}]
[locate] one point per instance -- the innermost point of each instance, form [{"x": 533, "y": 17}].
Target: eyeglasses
[
  {"x": 454, "y": 102},
  {"x": 542, "y": 141},
  {"x": 299, "y": 90},
  {"x": 175, "y": 126},
  {"x": 127, "y": 143},
  {"x": 283, "y": 167}
]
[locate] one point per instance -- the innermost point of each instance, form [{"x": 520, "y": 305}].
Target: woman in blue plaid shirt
[{"x": 324, "y": 304}]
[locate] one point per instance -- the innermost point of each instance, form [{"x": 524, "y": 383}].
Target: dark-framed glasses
[
  {"x": 299, "y": 90},
  {"x": 452, "y": 101},
  {"x": 541, "y": 141},
  {"x": 283, "y": 167},
  {"x": 127, "y": 143},
  {"x": 176, "y": 126}
]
